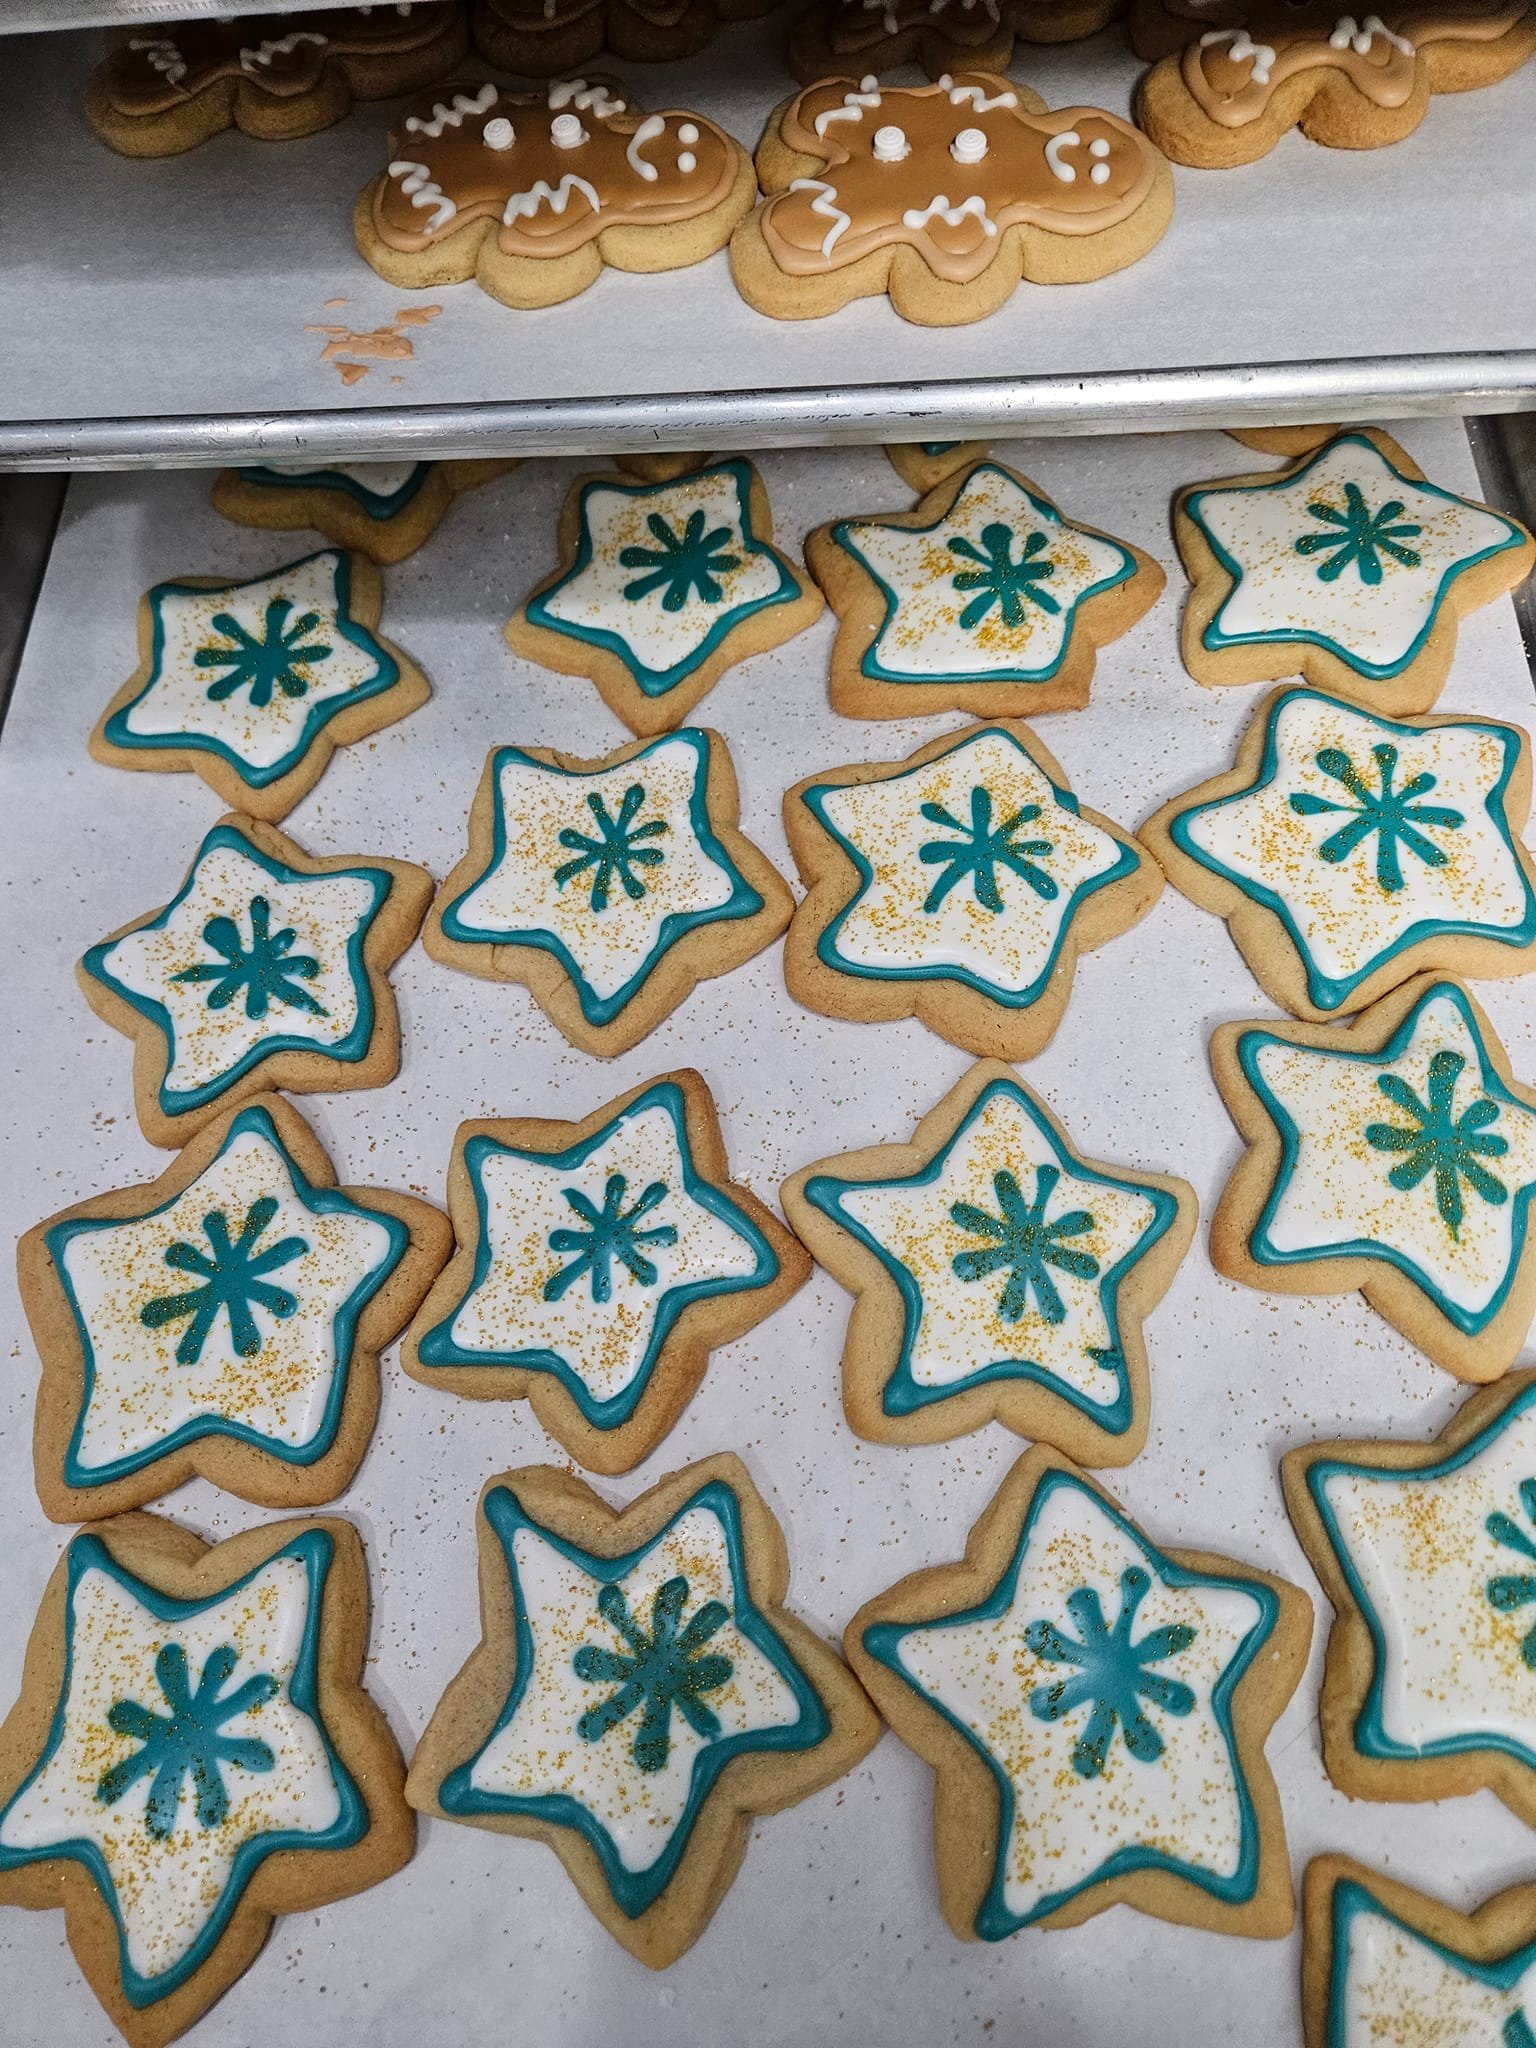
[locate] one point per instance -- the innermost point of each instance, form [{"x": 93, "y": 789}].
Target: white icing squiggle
[
  {"x": 959, "y": 94},
  {"x": 278, "y": 46},
  {"x": 587, "y": 99},
  {"x": 1055, "y": 155},
  {"x": 940, "y": 209},
  {"x": 853, "y": 108},
  {"x": 418, "y": 185},
  {"x": 163, "y": 56},
  {"x": 524, "y": 204},
  {"x": 825, "y": 203},
  {"x": 1262, "y": 55},
  {"x": 1359, "y": 36},
  {"x": 652, "y": 126},
  {"x": 446, "y": 116}
]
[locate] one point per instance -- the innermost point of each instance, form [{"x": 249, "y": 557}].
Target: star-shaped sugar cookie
[
  {"x": 1095, "y": 1710},
  {"x": 385, "y": 510},
  {"x": 599, "y": 1262}
]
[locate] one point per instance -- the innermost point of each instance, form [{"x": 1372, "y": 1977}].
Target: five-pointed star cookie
[
  {"x": 267, "y": 969},
  {"x": 998, "y": 1275},
  {"x": 599, "y": 1263},
  {"x": 1348, "y": 852},
  {"x": 1382, "y": 1962},
  {"x": 984, "y": 599},
  {"x": 224, "y": 1321},
  {"x": 663, "y": 586},
  {"x": 192, "y": 1753},
  {"x": 1428, "y": 1553},
  {"x": 254, "y": 685},
  {"x": 608, "y": 887},
  {"x": 638, "y": 1693},
  {"x": 383, "y": 509},
  {"x": 1348, "y": 568},
  {"x": 1095, "y": 1709},
  {"x": 957, "y": 886},
  {"x": 1397, "y": 1157}
]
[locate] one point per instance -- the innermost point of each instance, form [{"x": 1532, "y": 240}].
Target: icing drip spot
[
  {"x": 891, "y": 145},
  {"x": 566, "y": 132},
  {"x": 968, "y": 147},
  {"x": 498, "y": 134}
]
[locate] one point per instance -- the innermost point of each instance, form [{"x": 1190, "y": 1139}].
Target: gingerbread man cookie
[
  {"x": 540, "y": 38},
  {"x": 835, "y": 36},
  {"x": 167, "y": 89},
  {"x": 533, "y": 193},
  {"x": 942, "y": 195}
]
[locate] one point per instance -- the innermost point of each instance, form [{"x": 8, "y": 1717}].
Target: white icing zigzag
[
  {"x": 418, "y": 185},
  {"x": 853, "y": 107},
  {"x": 278, "y": 46},
  {"x": 558, "y": 196},
  {"x": 825, "y": 203},
  {"x": 587, "y": 99},
  {"x": 941, "y": 209},
  {"x": 163, "y": 56},
  {"x": 444, "y": 116},
  {"x": 1243, "y": 45}
]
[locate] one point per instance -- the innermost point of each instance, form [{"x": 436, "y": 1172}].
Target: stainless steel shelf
[
  {"x": 165, "y": 312},
  {"x": 21, "y": 16}
]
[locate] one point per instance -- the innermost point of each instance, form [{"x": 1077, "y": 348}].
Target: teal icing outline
[
  {"x": 349, "y": 1050},
  {"x": 1215, "y": 639},
  {"x": 743, "y": 900},
  {"x": 1369, "y": 1731},
  {"x": 1053, "y": 519},
  {"x": 814, "y": 798},
  {"x": 995, "y": 1920},
  {"x": 903, "y": 1393},
  {"x": 379, "y": 505},
  {"x": 634, "y": 1892},
  {"x": 438, "y": 1348},
  {"x": 315, "y": 1549},
  {"x": 119, "y": 733},
  {"x": 654, "y": 682},
  {"x": 1351, "y": 1899},
  {"x": 1265, "y": 1253},
  {"x": 1324, "y": 991},
  {"x": 320, "y": 1201}
]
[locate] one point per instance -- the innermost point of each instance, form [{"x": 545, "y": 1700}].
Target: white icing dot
[
  {"x": 869, "y": 82},
  {"x": 687, "y": 162},
  {"x": 1098, "y": 147},
  {"x": 1100, "y": 174},
  {"x": 891, "y": 144},
  {"x": 566, "y": 132},
  {"x": 969, "y": 146},
  {"x": 498, "y": 134},
  {"x": 687, "y": 132}
]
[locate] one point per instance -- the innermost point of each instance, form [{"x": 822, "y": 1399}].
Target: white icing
[
  {"x": 1359, "y": 35},
  {"x": 1398, "y": 1987},
  {"x": 960, "y": 1329},
  {"x": 141, "y": 1393},
  {"x": 278, "y": 46},
  {"x": 166, "y": 1890},
  {"x": 603, "y": 1343},
  {"x": 652, "y": 126},
  {"x": 943, "y": 209},
  {"x": 422, "y": 189},
  {"x": 586, "y": 99},
  {"x": 853, "y": 108},
  {"x": 177, "y": 701},
  {"x": 980, "y": 100},
  {"x": 825, "y": 203},
  {"x": 1066, "y": 1826},
  {"x": 498, "y": 134},
  {"x": 519, "y": 893},
  {"x": 1345, "y": 917},
  {"x": 1281, "y": 591},
  {"x": 566, "y": 132},
  {"x": 162, "y": 55},
  {"x": 558, "y": 197},
  {"x": 969, "y": 146},
  {"x": 615, "y": 519},
  {"x": 539, "y": 1754},
  {"x": 923, "y": 637},
  {"x": 1244, "y": 49},
  {"x": 382, "y": 479},
  {"x": 1009, "y": 949},
  {"x": 687, "y": 161},
  {"x": 1338, "y": 1191},
  {"x": 452, "y": 114},
  {"x": 687, "y": 132},
  {"x": 323, "y": 912},
  {"x": 891, "y": 145}
]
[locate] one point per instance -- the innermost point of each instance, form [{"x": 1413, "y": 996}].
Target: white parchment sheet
[{"x": 832, "y": 1931}]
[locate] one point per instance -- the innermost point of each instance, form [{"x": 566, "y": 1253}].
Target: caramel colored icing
[
  {"x": 854, "y": 26},
  {"x": 946, "y": 169},
  {"x": 530, "y": 17},
  {"x": 280, "y": 53},
  {"x": 1233, "y": 69},
  {"x": 554, "y": 167}
]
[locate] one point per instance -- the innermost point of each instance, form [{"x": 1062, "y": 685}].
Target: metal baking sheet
[
  {"x": 831, "y": 1933},
  {"x": 168, "y": 310}
]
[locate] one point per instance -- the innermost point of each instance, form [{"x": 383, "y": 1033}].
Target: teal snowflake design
[
  {"x": 1512, "y": 1590},
  {"x": 999, "y": 579},
  {"x": 186, "y": 1742},
  {"x": 1112, "y": 1674},
  {"x": 267, "y": 970},
  {"x": 273, "y": 661},
  {"x": 681, "y": 562},
  {"x": 1024, "y": 1244},
  {"x": 1440, "y": 1142},
  {"x": 611, "y": 1233},
  {"x": 1518, "y": 2032},
  {"x": 1360, "y": 536},
  {"x": 1393, "y": 815},
  {"x": 667, "y": 1668},
  {"x": 982, "y": 849},
  {"x": 232, "y": 1276},
  {"x": 616, "y": 852}
]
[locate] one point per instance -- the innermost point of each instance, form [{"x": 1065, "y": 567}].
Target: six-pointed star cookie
[
  {"x": 599, "y": 1263},
  {"x": 1348, "y": 568},
  {"x": 265, "y": 970},
  {"x": 998, "y": 1275},
  {"x": 1397, "y": 1157},
  {"x": 1348, "y": 852},
  {"x": 1382, "y": 1962},
  {"x": 192, "y": 1751},
  {"x": 661, "y": 588},
  {"x": 254, "y": 685},
  {"x": 224, "y": 1321},
  {"x": 984, "y": 599},
  {"x": 1428, "y": 1553},
  {"x": 383, "y": 509},
  {"x": 1095, "y": 1709},
  {"x": 957, "y": 886},
  {"x": 608, "y": 887},
  {"x": 638, "y": 1693}
]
